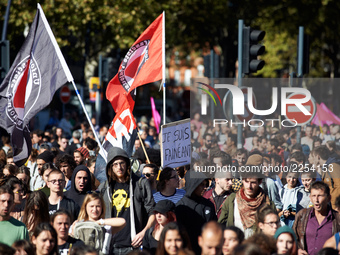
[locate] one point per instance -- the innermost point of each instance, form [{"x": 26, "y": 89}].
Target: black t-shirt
[
  {"x": 70, "y": 243},
  {"x": 121, "y": 208},
  {"x": 67, "y": 204},
  {"x": 149, "y": 242}
]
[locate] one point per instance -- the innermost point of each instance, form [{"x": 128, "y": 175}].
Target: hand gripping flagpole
[
  {"x": 87, "y": 116},
  {"x": 163, "y": 69}
]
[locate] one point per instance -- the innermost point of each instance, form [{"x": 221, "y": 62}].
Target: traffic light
[{"x": 251, "y": 49}]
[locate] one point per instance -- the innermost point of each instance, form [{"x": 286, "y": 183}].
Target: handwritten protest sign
[{"x": 176, "y": 144}]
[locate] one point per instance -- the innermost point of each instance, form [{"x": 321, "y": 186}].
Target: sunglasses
[{"x": 148, "y": 175}]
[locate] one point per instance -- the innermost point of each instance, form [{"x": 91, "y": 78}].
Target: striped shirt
[{"x": 174, "y": 198}]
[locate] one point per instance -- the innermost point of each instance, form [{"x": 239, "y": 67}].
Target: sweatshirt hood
[
  {"x": 113, "y": 153},
  {"x": 192, "y": 180},
  {"x": 75, "y": 194},
  {"x": 333, "y": 159}
]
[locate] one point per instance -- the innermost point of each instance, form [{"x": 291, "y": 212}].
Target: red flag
[
  {"x": 37, "y": 72},
  {"x": 141, "y": 65}
]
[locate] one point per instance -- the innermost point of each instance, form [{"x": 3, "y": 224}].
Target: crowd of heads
[{"x": 62, "y": 164}]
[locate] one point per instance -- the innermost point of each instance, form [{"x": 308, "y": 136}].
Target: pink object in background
[
  {"x": 155, "y": 114},
  {"x": 324, "y": 115}
]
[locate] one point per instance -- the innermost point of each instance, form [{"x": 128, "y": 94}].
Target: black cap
[
  {"x": 47, "y": 156},
  {"x": 164, "y": 206}
]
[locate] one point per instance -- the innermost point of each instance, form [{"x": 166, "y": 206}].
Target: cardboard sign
[{"x": 176, "y": 144}]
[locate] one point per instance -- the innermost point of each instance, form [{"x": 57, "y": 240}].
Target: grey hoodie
[{"x": 143, "y": 201}]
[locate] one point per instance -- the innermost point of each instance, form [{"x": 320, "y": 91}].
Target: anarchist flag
[
  {"x": 141, "y": 65},
  {"x": 37, "y": 72}
]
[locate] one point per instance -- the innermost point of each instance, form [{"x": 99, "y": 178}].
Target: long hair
[
  {"x": 172, "y": 226},
  {"x": 90, "y": 197},
  {"x": 112, "y": 175},
  {"x": 24, "y": 170},
  {"x": 36, "y": 210},
  {"x": 11, "y": 169},
  {"x": 47, "y": 227}
]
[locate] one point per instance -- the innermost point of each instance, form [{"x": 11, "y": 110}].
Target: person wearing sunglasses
[
  {"x": 150, "y": 171},
  {"x": 168, "y": 186},
  {"x": 57, "y": 199}
]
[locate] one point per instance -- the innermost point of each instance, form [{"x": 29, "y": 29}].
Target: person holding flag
[
  {"x": 124, "y": 194},
  {"x": 144, "y": 63}
]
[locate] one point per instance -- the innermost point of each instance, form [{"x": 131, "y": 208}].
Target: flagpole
[
  {"x": 142, "y": 144},
  {"x": 87, "y": 116},
  {"x": 163, "y": 69}
]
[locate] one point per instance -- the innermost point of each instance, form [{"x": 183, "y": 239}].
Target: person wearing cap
[
  {"x": 80, "y": 155},
  {"x": 80, "y": 184},
  {"x": 240, "y": 208},
  {"x": 164, "y": 212},
  {"x": 37, "y": 180},
  {"x": 127, "y": 196},
  {"x": 285, "y": 241},
  {"x": 313, "y": 226}
]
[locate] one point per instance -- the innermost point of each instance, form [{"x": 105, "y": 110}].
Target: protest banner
[{"x": 176, "y": 144}]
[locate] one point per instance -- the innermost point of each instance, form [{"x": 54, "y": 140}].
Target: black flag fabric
[{"x": 37, "y": 72}]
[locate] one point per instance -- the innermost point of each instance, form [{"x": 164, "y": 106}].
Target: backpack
[{"x": 90, "y": 233}]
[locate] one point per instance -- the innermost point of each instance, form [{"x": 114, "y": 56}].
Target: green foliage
[{"x": 92, "y": 27}]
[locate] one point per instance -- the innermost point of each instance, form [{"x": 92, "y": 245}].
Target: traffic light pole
[
  {"x": 4, "y": 45},
  {"x": 212, "y": 73},
  {"x": 240, "y": 73},
  {"x": 300, "y": 52},
  {"x": 300, "y": 71}
]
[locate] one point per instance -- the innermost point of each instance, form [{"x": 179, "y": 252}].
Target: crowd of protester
[{"x": 287, "y": 203}]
